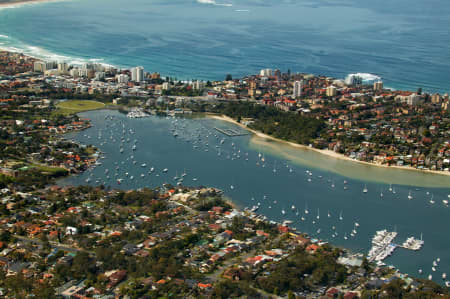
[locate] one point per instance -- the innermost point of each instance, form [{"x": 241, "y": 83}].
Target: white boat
[
  {"x": 283, "y": 211},
  {"x": 306, "y": 209},
  {"x": 431, "y": 199},
  {"x": 165, "y": 170},
  {"x": 143, "y": 165},
  {"x": 365, "y": 189},
  {"x": 329, "y": 215},
  {"x": 409, "y": 195},
  {"x": 318, "y": 215},
  {"x": 445, "y": 202},
  {"x": 340, "y": 216},
  {"x": 444, "y": 275},
  {"x": 381, "y": 193},
  {"x": 292, "y": 207},
  {"x": 430, "y": 277},
  {"x": 390, "y": 187},
  {"x": 287, "y": 222}
]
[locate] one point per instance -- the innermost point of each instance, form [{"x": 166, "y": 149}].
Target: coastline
[{"x": 328, "y": 153}]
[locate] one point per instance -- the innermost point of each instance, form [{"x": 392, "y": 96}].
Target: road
[{"x": 53, "y": 245}]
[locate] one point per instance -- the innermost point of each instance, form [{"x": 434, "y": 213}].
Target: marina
[
  {"x": 313, "y": 200},
  {"x": 137, "y": 113}
]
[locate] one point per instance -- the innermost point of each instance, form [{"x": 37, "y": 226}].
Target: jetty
[{"x": 231, "y": 132}]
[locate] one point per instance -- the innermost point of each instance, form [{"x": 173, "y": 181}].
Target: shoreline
[{"x": 328, "y": 153}]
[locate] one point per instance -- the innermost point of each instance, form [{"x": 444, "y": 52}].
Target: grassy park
[{"x": 76, "y": 106}]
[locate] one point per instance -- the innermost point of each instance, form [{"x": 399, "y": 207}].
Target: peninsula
[
  {"x": 190, "y": 242},
  {"x": 356, "y": 118}
]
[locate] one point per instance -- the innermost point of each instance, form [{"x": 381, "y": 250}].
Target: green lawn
[
  {"x": 51, "y": 171},
  {"x": 75, "y": 106}
]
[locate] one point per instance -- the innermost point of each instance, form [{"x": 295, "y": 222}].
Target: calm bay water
[
  {"x": 405, "y": 42},
  {"x": 233, "y": 167}
]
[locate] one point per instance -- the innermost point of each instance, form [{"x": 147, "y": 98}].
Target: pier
[{"x": 231, "y": 132}]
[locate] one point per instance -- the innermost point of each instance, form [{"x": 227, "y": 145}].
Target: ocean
[
  {"x": 406, "y": 43},
  {"x": 327, "y": 187}
]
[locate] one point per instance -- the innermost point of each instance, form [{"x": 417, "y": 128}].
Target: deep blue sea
[{"x": 407, "y": 43}]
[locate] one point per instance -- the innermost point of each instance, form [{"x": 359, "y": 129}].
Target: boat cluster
[
  {"x": 413, "y": 243},
  {"x": 137, "y": 113},
  {"x": 382, "y": 245}
]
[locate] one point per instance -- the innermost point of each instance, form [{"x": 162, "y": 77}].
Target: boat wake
[{"x": 213, "y": 2}]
